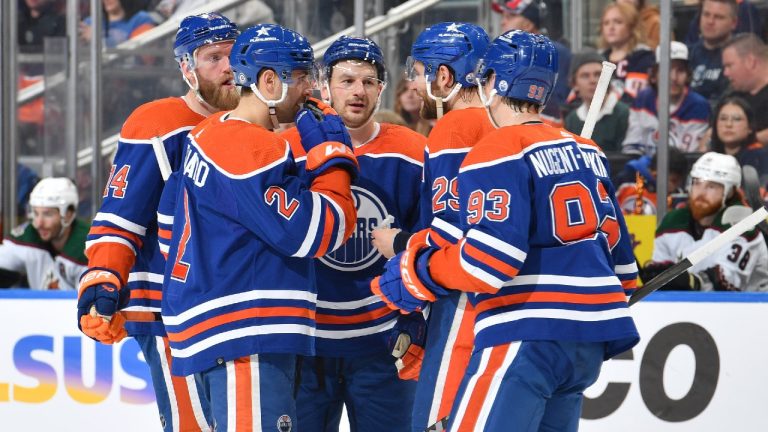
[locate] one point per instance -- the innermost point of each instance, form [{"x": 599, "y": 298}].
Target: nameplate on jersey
[
  {"x": 195, "y": 167},
  {"x": 358, "y": 253},
  {"x": 565, "y": 158}
]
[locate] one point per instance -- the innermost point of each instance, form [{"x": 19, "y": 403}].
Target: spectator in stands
[
  {"x": 650, "y": 21},
  {"x": 37, "y": 20},
  {"x": 527, "y": 15},
  {"x": 123, "y": 20},
  {"x": 714, "y": 205},
  {"x": 717, "y": 22},
  {"x": 636, "y": 192},
  {"x": 689, "y": 111},
  {"x": 49, "y": 251},
  {"x": 749, "y": 21},
  {"x": 745, "y": 63},
  {"x": 408, "y": 106},
  {"x": 733, "y": 133},
  {"x": 620, "y": 39},
  {"x": 612, "y": 121},
  {"x": 389, "y": 116}
]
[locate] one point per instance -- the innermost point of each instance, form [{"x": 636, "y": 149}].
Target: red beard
[
  {"x": 221, "y": 98},
  {"x": 700, "y": 208}
]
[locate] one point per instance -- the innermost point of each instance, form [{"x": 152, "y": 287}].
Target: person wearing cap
[
  {"x": 717, "y": 23},
  {"x": 49, "y": 250},
  {"x": 527, "y": 15},
  {"x": 613, "y": 117},
  {"x": 688, "y": 110},
  {"x": 714, "y": 205}
]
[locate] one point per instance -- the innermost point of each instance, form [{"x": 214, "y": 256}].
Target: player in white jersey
[
  {"x": 714, "y": 204},
  {"x": 49, "y": 250}
]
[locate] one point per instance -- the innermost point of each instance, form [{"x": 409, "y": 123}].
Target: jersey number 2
[{"x": 181, "y": 268}]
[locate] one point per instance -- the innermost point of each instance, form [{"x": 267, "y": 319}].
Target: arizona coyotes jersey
[
  {"x": 352, "y": 322},
  {"x": 239, "y": 279},
  {"x": 743, "y": 264},
  {"x": 123, "y": 235},
  {"x": 545, "y": 250},
  {"x": 45, "y": 268},
  {"x": 687, "y": 123}
]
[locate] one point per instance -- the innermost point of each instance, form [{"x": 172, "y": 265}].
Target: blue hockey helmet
[
  {"x": 525, "y": 66},
  {"x": 269, "y": 46},
  {"x": 456, "y": 45},
  {"x": 198, "y": 30},
  {"x": 355, "y": 48}
]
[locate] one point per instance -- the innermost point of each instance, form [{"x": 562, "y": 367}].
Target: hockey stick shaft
[
  {"x": 162, "y": 158},
  {"x": 597, "y": 99},
  {"x": 700, "y": 254}
]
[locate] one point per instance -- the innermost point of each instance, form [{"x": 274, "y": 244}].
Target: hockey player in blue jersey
[
  {"x": 544, "y": 252},
  {"x": 125, "y": 265},
  {"x": 443, "y": 60},
  {"x": 239, "y": 289},
  {"x": 353, "y": 366}
]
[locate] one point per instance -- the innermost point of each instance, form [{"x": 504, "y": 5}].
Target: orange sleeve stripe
[
  {"x": 257, "y": 312},
  {"x": 115, "y": 256},
  {"x": 490, "y": 260},
  {"x": 419, "y": 238},
  {"x": 164, "y": 233},
  {"x": 629, "y": 284},
  {"x": 549, "y": 297},
  {"x": 353, "y": 319},
  {"x": 436, "y": 239},
  {"x": 137, "y": 316},
  {"x": 146, "y": 294},
  {"x": 325, "y": 241},
  {"x": 105, "y": 230}
]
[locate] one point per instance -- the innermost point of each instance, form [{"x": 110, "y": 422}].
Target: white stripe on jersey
[
  {"x": 625, "y": 268},
  {"x": 121, "y": 222},
  {"x": 110, "y": 239},
  {"x": 572, "y": 315},
  {"x": 258, "y": 330},
  {"x": 446, "y": 227},
  {"x": 393, "y": 155},
  {"x": 165, "y": 368},
  {"x": 347, "y": 334},
  {"x": 342, "y": 223},
  {"x": 564, "y": 280},
  {"x": 469, "y": 389},
  {"x": 255, "y": 393},
  {"x": 528, "y": 149},
  {"x": 145, "y": 277},
  {"x": 497, "y": 244},
  {"x": 477, "y": 272},
  {"x": 250, "y": 174},
  {"x": 314, "y": 222},
  {"x": 349, "y": 305},
  {"x": 448, "y": 151},
  {"x": 493, "y": 389},
  {"x": 140, "y": 309},
  {"x": 259, "y": 294},
  {"x": 162, "y": 138},
  {"x": 164, "y": 219}
]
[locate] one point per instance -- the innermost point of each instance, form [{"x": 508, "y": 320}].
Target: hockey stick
[
  {"x": 597, "y": 99},
  {"x": 700, "y": 254},
  {"x": 162, "y": 157}
]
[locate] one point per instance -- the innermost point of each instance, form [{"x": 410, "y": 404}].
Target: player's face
[
  {"x": 585, "y": 81},
  {"x": 736, "y": 69},
  {"x": 717, "y": 21},
  {"x": 732, "y": 125},
  {"x": 510, "y": 21},
  {"x": 217, "y": 86},
  {"x": 410, "y": 99},
  {"x": 299, "y": 90},
  {"x": 428, "y": 106},
  {"x": 615, "y": 29},
  {"x": 706, "y": 198},
  {"x": 47, "y": 222},
  {"x": 355, "y": 90},
  {"x": 678, "y": 79}
]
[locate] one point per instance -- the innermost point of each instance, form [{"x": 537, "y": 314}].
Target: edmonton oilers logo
[
  {"x": 284, "y": 423},
  {"x": 358, "y": 252}
]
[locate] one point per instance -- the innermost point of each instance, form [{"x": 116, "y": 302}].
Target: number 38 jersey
[{"x": 545, "y": 250}]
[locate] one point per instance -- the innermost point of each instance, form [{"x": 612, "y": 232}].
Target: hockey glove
[
  {"x": 325, "y": 139},
  {"x": 406, "y": 284},
  {"x": 408, "y": 347},
  {"x": 97, "y": 306}
]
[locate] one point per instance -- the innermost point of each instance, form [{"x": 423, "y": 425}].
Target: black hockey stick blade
[{"x": 659, "y": 281}]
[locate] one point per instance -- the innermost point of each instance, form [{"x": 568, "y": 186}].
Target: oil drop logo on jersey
[{"x": 358, "y": 253}]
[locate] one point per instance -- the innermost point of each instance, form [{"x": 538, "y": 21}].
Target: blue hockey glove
[
  {"x": 98, "y": 304},
  {"x": 325, "y": 139}
]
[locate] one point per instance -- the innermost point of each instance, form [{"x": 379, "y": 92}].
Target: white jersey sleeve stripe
[
  {"x": 309, "y": 240},
  {"x": 110, "y": 239},
  {"x": 121, "y": 222},
  {"x": 497, "y": 244}
]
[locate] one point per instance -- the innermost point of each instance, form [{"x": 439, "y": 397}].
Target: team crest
[
  {"x": 358, "y": 253},
  {"x": 284, "y": 423}
]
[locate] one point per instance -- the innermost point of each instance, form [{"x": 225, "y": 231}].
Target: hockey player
[
  {"x": 544, "y": 250},
  {"x": 239, "y": 308},
  {"x": 353, "y": 366},
  {"x": 443, "y": 60},
  {"x": 49, "y": 251},
  {"x": 124, "y": 260},
  {"x": 714, "y": 204}
]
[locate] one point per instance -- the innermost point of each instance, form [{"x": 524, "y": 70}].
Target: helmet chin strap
[
  {"x": 196, "y": 88},
  {"x": 486, "y": 101},
  {"x": 271, "y": 104},
  {"x": 439, "y": 101}
]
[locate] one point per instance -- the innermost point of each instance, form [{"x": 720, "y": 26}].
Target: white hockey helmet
[
  {"x": 718, "y": 168},
  {"x": 58, "y": 192}
]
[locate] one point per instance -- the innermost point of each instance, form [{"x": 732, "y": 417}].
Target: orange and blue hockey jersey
[
  {"x": 351, "y": 322},
  {"x": 240, "y": 278},
  {"x": 123, "y": 236},
  {"x": 545, "y": 251}
]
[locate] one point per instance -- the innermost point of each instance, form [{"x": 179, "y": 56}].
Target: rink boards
[{"x": 700, "y": 366}]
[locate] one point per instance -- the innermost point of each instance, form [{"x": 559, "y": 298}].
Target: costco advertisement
[{"x": 700, "y": 366}]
